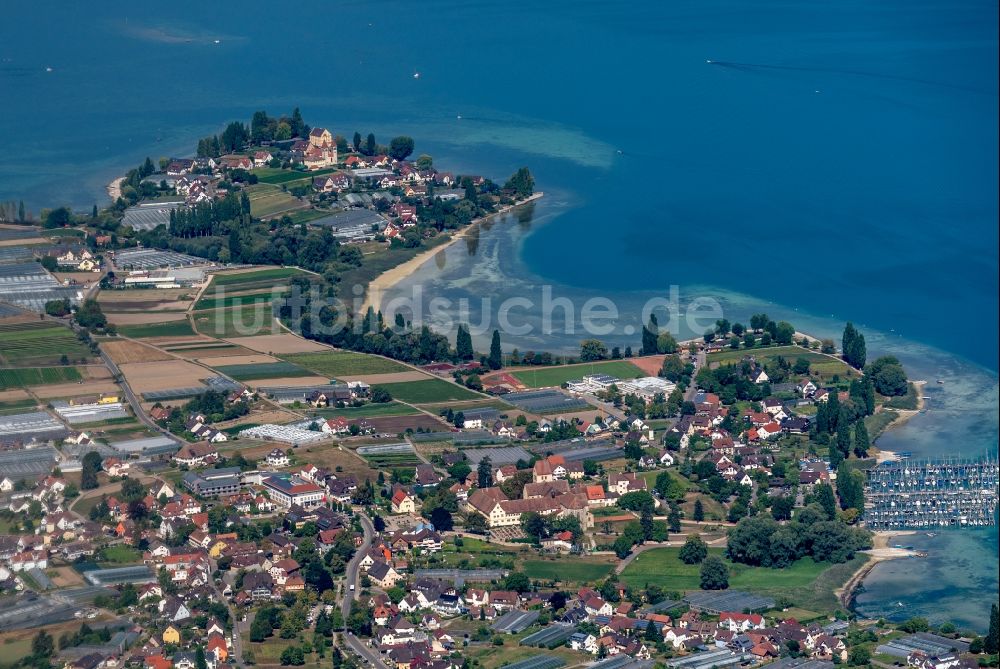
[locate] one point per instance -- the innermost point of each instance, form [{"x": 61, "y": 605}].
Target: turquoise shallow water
[{"x": 836, "y": 160}]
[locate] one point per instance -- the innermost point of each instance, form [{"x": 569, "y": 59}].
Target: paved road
[
  {"x": 132, "y": 398},
  {"x": 353, "y": 568}
]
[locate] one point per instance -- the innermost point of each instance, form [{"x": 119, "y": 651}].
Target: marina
[{"x": 931, "y": 493}]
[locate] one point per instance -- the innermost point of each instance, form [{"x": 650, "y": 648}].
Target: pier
[{"x": 914, "y": 494}]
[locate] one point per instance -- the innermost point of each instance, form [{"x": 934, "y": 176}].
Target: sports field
[{"x": 544, "y": 377}]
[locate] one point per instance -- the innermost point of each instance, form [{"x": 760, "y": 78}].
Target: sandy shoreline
[
  {"x": 880, "y": 552},
  {"x": 390, "y": 277},
  {"x": 115, "y": 189}
]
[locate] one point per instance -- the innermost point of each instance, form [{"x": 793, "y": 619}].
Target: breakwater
[{"x": 932, "y": 493}]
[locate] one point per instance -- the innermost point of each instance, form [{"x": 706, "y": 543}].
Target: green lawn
[
  {"x": 878, "y": 422},
  {"x": 120, "y": 554},
  {"x": 37, "y": 376},
  {"x": 345, "y": 363},
  {"x": 806, "y": 583},
  {"x": 908, "y": 401},
  {"x": 823, "y": 365},
  {"x": 245, "y": 321},
  {"x": 567, "y": 569},
  {"x": 370, "y": 410},
  {"x": 430, "y": 390},
  {"x": 181, "y": 328},
  {"x": 271, "y": 175},
  {"x": 543, "y": 377},
  {"x": 263, "y": 370}
]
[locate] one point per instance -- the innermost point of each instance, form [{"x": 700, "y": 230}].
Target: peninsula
[{"x": 198, "y": 471}]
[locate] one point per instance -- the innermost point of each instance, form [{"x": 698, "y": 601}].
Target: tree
[
  {"x": 370, "y": 145},
  {"x": 858, "y": 656},
  {"x": 56, "y": 308},
  {"x": 521, "y": 182},
  {"x": 650, "y": 333},
  {"x": 401, "y": 147},
  {"x": 42, "y": 645},
  {"x": 199, "y": 658},
  {"x": 49, "y": 263},
  {"x": 495, "y": 361},
  {"x": 666, "y": 343},
  {"x": 888, "y": 376},
  {"x": 714, "y": 574},
  {"x": 463, "y": 344},
  {"x": 91, "y": 466},
  {"x": 356, "y": 141},
  {"x": 827, "y": 500},
  {"x": 292, "y": 656},
  {"x": 852, "y": 346},
  {"x": 58, "y": 218},
  {"x": 991, "y": 643},
  {"x": 593, "y": 349},
  {"x": 674, "y": 518},
  {"x": 442, "y": 520},
  {"x": 784, "y": 332},
  {"x": 694, "y": 550},
  {"x": 485, "y": 472},
  {"x": 699, "y": 511},
  {"x": 861, "y": 440},
  {"x": 850, "y": 488}
]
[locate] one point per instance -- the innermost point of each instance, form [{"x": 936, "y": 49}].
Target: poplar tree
[
  {"x": 495, "y": 360},
  {"x": 861, "y": 440},
  {"x": 463, "y": 344}
]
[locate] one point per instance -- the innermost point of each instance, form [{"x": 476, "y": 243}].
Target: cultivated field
[
  {"x": 369, "y": 410},
  {"x": 544, "y": 377},
  {"x": 163, "y": 375},
  {"x": 247, "y": 359},
  {"x": 346, "y": 363},
  {"x": 264, "y": 370},
  {"x": 427, "y": 391},
  {"x": 246, "y": 321},
  {"x": 65, "y": 390},
  {"x": 123, "y": 351},
  {"x": 254, "y": 278},
  {"x": 39, "y": 343},
  {"x": 267, "y": 200},
  {"x": 279, "y": 344},
  {"x": 398, "y": 424},
  {"x": 37, "y": 376},
  {"x": 147, "y": 326},
  {"x": 569, "y": 570}
]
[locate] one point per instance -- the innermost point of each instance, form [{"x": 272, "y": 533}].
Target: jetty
[{"x": 915, "y": 494}]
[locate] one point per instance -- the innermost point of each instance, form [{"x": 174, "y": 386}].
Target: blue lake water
[{"x": 835, "y": 161}]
